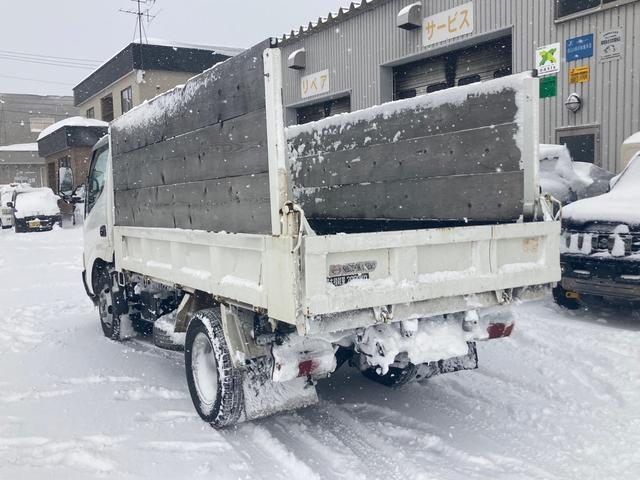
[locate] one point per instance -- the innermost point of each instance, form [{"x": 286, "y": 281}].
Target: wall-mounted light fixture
[
  {"x": 410, "y": 17},
  {"x": 298, "y": 59},
  {"x": 573, "y": 103}
]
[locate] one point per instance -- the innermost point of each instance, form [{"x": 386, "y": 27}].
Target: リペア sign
[{"x": 315, "y": 84}]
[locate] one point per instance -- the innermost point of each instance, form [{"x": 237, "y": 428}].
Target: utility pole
[{"x": 143, "y": 10}]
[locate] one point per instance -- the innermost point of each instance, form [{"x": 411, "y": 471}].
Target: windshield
[{"x": 97, "y": 176}]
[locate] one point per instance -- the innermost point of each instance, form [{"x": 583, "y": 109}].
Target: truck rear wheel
[
  {"x": 395, "y": 377},
  {"x": 214, "y": 383}
]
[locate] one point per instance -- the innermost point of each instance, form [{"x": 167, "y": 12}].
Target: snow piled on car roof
[{"x": 39, "y": 201}]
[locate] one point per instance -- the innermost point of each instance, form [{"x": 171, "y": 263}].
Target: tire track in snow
[{"x": 263, "y": 452}]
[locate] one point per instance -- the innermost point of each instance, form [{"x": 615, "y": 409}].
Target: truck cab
[{"x": 98, "y": 224}]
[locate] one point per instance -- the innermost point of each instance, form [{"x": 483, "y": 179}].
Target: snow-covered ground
[{"x": 558, "y": 400}]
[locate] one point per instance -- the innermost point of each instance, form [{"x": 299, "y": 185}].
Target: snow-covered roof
[
  {"x": 71, "y": 122},
  {"x": 20, "y": 147},
  {"x": 230, "y": 51},
  {"x": 342, "y": 14}
]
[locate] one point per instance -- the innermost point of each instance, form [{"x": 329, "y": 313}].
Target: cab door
[{"x": 98, "y": 243}]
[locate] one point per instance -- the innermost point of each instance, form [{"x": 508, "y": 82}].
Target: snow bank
[
  {"x": 20, "y": 147},
  {"x": 41, "y": 201},
  {"x": 618, "y": 206},
  {"x": 71, "y": 122}
]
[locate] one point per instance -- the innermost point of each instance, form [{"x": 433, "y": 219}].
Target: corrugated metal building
[{"x": 359, "y": 57}]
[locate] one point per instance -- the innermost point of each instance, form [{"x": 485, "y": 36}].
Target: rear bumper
[{"x": 615, "y": 278}]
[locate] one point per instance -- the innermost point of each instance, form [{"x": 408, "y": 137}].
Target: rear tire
[
  {"x": 214, "y": 383},
  {"x": 560, "y": 297},
  {"x": 395, "y": 377}
]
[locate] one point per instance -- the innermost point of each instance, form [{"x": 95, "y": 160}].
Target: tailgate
[{"x": 351, "y": 272}]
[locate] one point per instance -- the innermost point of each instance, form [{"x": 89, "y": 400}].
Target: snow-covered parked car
[
  {"x": 600, "y": 248},
  {"x": 568, "y": 181},
  {"x": 35, "y": 209},
  {"x": 6, "y": 213},
  {"x": 6, "y": 197}
]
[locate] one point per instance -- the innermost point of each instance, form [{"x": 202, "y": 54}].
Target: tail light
[{"x": 499, "y": 330}]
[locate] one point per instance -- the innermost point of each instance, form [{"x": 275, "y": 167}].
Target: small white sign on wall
[
  {"x": 315, "y": 84},
  {"x": 449, "y": 24},
  {"x": 611, "y": 45}
]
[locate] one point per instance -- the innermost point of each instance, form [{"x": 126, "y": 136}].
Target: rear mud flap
[
  {"x": 456, "y": 364},
  {"x": 264, "y": 397}
]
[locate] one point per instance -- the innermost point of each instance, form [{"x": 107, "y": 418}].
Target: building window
[
  {"x": 106, "y": 107},
  {"x": 38, "y": 124},
  {"x": 318, "y": 111},
  {"x": 91, "y": 113},
  {"x": 126, "y": 99},
  {"x": 565, "y": 8}
]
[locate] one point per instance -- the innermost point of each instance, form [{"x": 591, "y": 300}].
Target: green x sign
[
  {"x": 547, "y": 56},
  {"x": 548, "y": 59}
]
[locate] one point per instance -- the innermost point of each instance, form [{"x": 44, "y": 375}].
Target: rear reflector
[
  {"x": 306, "y": 368},
  {"x": 499, "y": 330}
]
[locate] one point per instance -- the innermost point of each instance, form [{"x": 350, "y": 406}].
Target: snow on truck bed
[{"x": 559, "y": 400}]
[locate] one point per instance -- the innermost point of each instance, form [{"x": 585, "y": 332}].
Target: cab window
[{"x": 97, "y": 175}]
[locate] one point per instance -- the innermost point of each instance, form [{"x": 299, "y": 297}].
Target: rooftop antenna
[{"x": 143, "y": 11}]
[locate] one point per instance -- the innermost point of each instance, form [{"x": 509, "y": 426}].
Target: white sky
[{"x": 95, "y": 30}]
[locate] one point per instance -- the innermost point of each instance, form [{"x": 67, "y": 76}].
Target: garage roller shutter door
[
  {"x": 483, "y": 62},
  {"x": 418, "y": 78}
]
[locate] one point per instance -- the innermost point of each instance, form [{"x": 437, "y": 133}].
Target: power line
[
  {"x": 54, "y": 64},
  {"x": 37, "y": 80},
  {"x": 52, "y": 57}
]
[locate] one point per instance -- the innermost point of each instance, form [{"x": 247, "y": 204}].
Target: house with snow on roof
[
  {"x": 141, "y": 71},
  {"x": 66, "y": 148}
]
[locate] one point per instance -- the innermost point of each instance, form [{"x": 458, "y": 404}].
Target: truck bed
[{"x": 416, "y": 273}]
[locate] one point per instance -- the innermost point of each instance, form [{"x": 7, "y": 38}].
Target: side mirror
[
  {"x": 65, "y": 180},
  {"x": 10, "y": 204}
]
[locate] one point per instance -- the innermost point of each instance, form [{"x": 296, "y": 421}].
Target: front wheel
[
  {"x": 560, "y": 297},
  {"x": 111, "y": 301},
  {"x": 214, "y": 383}
]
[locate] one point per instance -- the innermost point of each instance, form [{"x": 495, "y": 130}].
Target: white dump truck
[{"x": 392, "y": 239}]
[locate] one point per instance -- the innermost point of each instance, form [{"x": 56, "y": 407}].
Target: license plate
[
  {"x": 34, "y": 224},
  {"x": 344, "y": 279}
]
